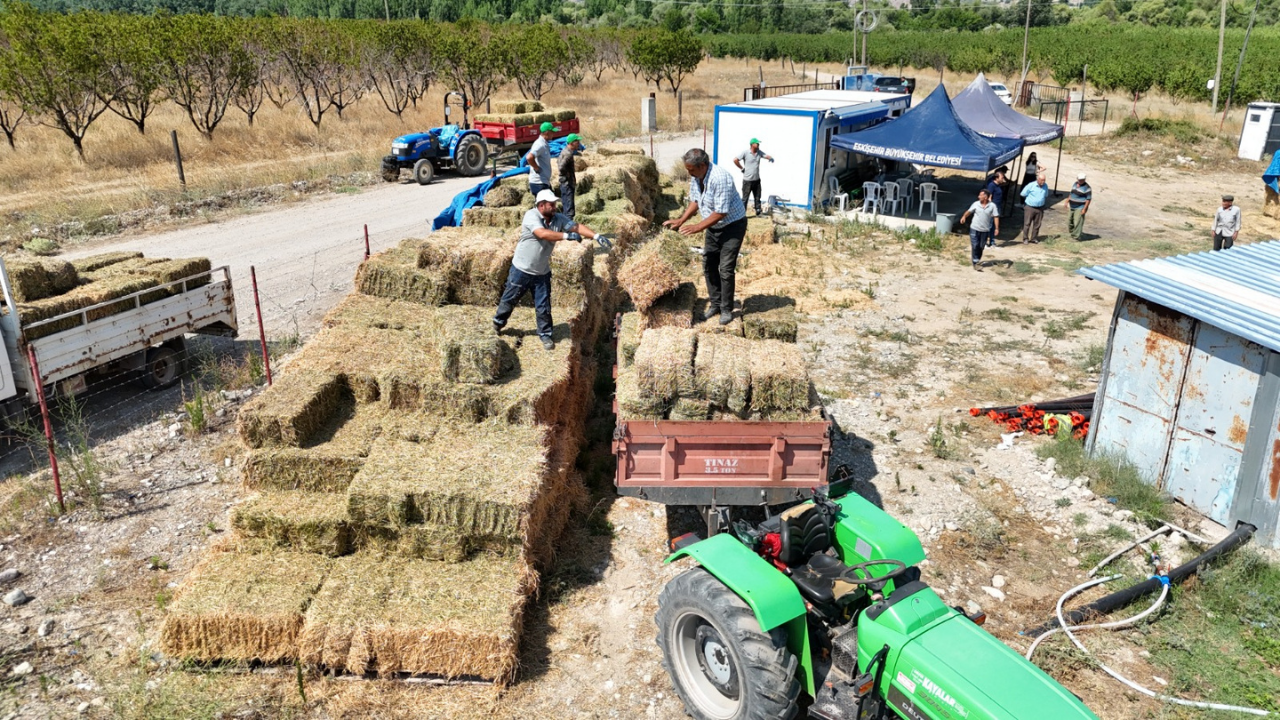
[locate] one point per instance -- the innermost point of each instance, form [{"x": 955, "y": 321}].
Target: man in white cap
[
  {"x": 539, "y": 159},
  {"x": 1078, "y": 204},
  {"x": 1226, "y": 224},
  {"x": 531, "y": 266}
]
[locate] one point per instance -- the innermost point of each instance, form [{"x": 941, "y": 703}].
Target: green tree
[
  {"x": 472, "y": 58},
  {"x": 322, "y": 60},
  {"x": 664, "y": 55},
  {"x": 397, "y": 61},
  {"x": 131, "y": 51},
  {"x": 535, "y": 56},
  {"x": 205, "y": 67}
]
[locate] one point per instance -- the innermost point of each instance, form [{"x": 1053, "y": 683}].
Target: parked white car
[{"x": 1002, "y": 92}]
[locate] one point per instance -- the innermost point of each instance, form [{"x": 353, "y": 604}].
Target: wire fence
[
  {"x": 759, "y": 92},
  {"x": 293, "y": 295},
  {"x": 1086, "y": 117}
]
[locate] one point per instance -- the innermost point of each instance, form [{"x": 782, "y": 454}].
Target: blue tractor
[{"x": 454, "y": 146}]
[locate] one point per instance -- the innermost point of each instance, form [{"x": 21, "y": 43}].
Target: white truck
[{"x": 147, "y": 339}]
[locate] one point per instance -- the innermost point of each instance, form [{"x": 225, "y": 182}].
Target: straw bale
[
  {"x": 368, "y": 311},
  {"x": 94, "y": 293},
  {"x": 675, "y": 309},
  {"x": 476, "y": 262},
  {"x": 562, "y": 114},
  {"x": 420, "y": 617},
  {"x": 242, "y": 607},
  {"x": 503, "y": 196},
  {"x": 664, "y": 362},
  {"x": 711, "y": 325},
  {"x": 426, "y": 541},
  {"x": 178, "y": 268},
  {"x": 500, "y": 217},
  {"x": 609, "y": 190},
  {"x": 477, "y": 479},
  {"x": 761, "y": 231},
  {"x": 587, "y": 203},
  {"x": 571, "y": 276},
  {"x": 521, "y": 119},
  {"x": 608, "y": 149},
  {"x": 630, "y": 229},
  {"x": 315, "y": 469},
  {"x": 395, "y": 274},
  {"x": 629, "y": 338},
  {"x": 690, "y": 409},
  {"x": 634, "y": 404},
  {"x": 295, "y": 409},
  {"x": 515, "y": 107},
  {"x": 38, "y": 278},
  {"x": 313, "y": 522},
  {"x": 722, "y": 371},
  {"x": 769, "y": 317},
  {"x": 779, "y": 380},
  {"x": 102, "y": 260},
  {"x": 655, "y": 269},
  {"x": 474, "y": 359}
]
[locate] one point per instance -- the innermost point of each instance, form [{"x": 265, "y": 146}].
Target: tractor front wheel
[
  {"x": 423, "y": 171},
  {"x": 723, "y": 666},
  {"x": 470, "y": 156},
  {"x": 390, "y": 172}
]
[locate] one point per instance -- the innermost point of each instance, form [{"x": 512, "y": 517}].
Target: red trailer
[{"x": 509, "y": 134}]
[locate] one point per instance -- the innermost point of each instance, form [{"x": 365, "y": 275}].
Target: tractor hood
[
  {"x": 955, "y": 670},
  {"x": 411, "y": 139}
]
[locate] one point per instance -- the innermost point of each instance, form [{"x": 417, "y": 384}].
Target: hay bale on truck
[
  {"x": 656, "y": 269},
  {"x": 38, "y": 278}
]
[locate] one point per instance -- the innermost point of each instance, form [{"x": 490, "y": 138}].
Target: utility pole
[
  {"x": 1217, "y": 74},
  {"x": 1026, "y": 35},
  {"x": 864, "y": 35},
  {"x": 1239, "y": 64}
]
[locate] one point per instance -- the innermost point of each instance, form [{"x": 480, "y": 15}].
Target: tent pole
[{"x": 1057, "y": 171}]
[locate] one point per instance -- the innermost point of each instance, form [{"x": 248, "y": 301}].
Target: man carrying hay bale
[
  {"x": 531, "y": 266},
  {"x": 539, "y": 159},
  {"x": 568, "y": 173},
  {"x": 724, "y": 218}
]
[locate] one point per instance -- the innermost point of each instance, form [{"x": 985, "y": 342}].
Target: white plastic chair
[
  {"x": 871, "y": 194},
  {"x": 833, "y": 192},
  {"x": 907, "y": 190},
  {"x": 928, "y": 194},
  {"x": 892, "y": 199}
]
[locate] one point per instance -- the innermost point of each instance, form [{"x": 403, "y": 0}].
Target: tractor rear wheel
[
  {"x": 423, "y": 171},
  {"x": 723, "y": 666},
  {"x": 471, "y": 155}
]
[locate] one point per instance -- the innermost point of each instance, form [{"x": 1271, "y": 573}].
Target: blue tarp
[
  {"x": 931, "y": 134},
  {"x": 981, "y": 109},
  {"x": 1272, "y": 176},
  {"x": 451, "y": 216}
]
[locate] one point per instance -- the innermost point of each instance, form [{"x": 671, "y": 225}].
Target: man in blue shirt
[
  {"x": 1034, "y": 196},
  {"x": 724, "y": 220}
]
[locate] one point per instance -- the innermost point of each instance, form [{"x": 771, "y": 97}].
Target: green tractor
[{"x": 824, "y": 601}]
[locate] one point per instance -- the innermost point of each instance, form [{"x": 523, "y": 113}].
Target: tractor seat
[
  {"x": 817, "y": 579},
  {"x": 804, "y": 531}
]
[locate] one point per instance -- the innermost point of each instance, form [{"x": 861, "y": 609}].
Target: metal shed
[{"x": 1190, "y": 385}]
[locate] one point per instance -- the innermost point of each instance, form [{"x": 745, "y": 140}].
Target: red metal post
[
  {"x": 262, "y": 332},
  {"x": 48, "y": 427},
  {"x": 366, "y": 241}
]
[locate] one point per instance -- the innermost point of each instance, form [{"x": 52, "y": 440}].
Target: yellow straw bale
[
  {"x": 634, "y": 404},
  {"x": 770, "y": 317},
  {"x": 664, "y": 362},
  {"x": 675, "y": 309},
  {"x": 496, "y": 217},
  {"x": 312, "y": 522},
  {"x": 779, "y": 380},
  {"x": 655, "y": 269},
  {"x": 102, "y": 260},
  {"x": 722, "y": 371},
  {"x": 475, "y": 261},
  {"x": 395, "y": 274}
]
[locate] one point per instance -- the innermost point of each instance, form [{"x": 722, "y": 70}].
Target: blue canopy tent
[
  {"x": 980, "y": 108},
  {"x": 931, "y": 133}
]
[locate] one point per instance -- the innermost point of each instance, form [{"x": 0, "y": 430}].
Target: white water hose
[{"x": 1164, "y": 592}]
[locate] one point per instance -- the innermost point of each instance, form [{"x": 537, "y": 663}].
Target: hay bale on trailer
[
  {"x": 243, "y": 607},
  {"x": 102, "y": 260},
  {"x": 664, "y": 363},
  {"x": 722, "y": 371},
  {"x": 675, "y": 309},
  {"x": 33, "y": 279},
  {"x": 779, "y": 379},
  {"x": 515, "y": 107}
]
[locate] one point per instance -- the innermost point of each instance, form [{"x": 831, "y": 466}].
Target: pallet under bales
[
  {"x": 454, "y": 620},
  {"x": 243, "y": 607},
  {"x": 655, "y": 269}
]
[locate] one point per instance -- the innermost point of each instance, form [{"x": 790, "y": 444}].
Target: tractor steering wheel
[{"x": 875, "y": 583}]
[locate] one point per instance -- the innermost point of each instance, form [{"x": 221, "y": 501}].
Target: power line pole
[
  {"x": 864, "y": 35},
  {"x": 1239, "y": 64},
  {"x": 1026, "y": 35},
  {"x": 1217, "y": 74}
]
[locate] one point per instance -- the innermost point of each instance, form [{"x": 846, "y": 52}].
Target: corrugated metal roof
[{"x": 1237, "y": 290}]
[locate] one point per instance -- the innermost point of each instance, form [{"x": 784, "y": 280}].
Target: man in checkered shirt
[{"x": 724, "y": 220}]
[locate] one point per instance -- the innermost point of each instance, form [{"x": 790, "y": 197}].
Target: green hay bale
[
  {"x": 664, "y": 363},
  {"x": 613, "y": 149},
  {"x": 294, "y": 410},
  {"x": 420, "y": 617},
  {"x": 515, "y": 107},
  {"x": 779, "y": 380},
  {"x": 675, "y": 309},
  {"x": 629, "y": 338},
  {"x": 769, "y": 317},
  {"x": 242, "y": 607},
  {"x": 40, "y": 278},
  {"x": 722, "y": 371},
  {"x": 300, "y": 469},
  {"x": 609, "y": 190},
  {"x": 587, "y": 203},
  {"x": 542, "y": 117},
  {"x": 655, "y": 269},
  {"x": 102, "y": 260},
  {"x": 395, "y": 274},
  {"x": 476, "y": 262},
  {"x": 97, "y": 292},
  {"x": 563, "y": 114},
  {"x": 503, "y": 196},
  {"x": 633, "y": 404},
  {"x": 295, "y": 520},
  {"x": 501, "y": 217},
  {"x": 690, "y": 409},
  {"x": 421, "y": 542}
]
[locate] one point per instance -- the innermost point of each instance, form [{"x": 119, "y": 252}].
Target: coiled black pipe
[{"x": 1117, "y": 600}]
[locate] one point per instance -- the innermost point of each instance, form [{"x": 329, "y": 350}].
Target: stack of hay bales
[
  {"x": 412, "y": 470},
  {"x": 524, "y": 113},
  {"x": 682, "y": 374},
  {"x": 44, "y": 288}
]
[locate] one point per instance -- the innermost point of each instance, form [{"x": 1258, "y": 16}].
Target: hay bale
[
  {"x": 241, "y": 607},
  {"x": 293, "y": 411},
  {"x": 33, "y": 279},
  {"x": 98, "y": 292},
  {"x": 421, "y": 542},
  {"x": 503, "y": 196},
  {"x": 500, "y": 217},
  {"x": 629, "y": 229},
  {"x": 655, "y": 269},
  {"x": 629, "y": 338},
  {"x": 515, "y": 107},
  {"x": 779, "y": 380},
  {"x": 711, "y": 325},
  {"x": 769, "y": 317},
  {"x": 609, "y": 190},
  {"x": 722, "y": 371},
  {"x": 395, "y": 616},
  {"x": 634, "y": 404},
  {"x": 610, "y": 149},
  {"x": 469, "y": 359},
  {"x": 289, "y": 468},
  {"x": 395, "y": 274},
  {"x": 761, "y": 231},
  {"x": 475, "y": 262},
  {"x": 675, "y": 309},
  {"x": 690, "y": 409},
  {"x": 664, "y": 363},
  {"x": 571, "y": 275},
  {"x": 102, "y": 260},
  {"x": 562, "y": 114},
  {"x": 588, "y": 203},
  {"x": 312, "y": 522}
]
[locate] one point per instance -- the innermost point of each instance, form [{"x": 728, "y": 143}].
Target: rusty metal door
[
  {"x": 1146, "y": 363},
  {"x": 1213, "y": 420},
  {"x": 1258, "y": 493}
]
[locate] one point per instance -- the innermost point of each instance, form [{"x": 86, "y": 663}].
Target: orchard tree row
[{"x": 66, "y": 70}]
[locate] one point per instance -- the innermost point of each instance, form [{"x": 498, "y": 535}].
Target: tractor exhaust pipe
[{"x": 1117, "y": 600}]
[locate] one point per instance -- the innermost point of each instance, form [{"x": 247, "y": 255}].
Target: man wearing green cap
[
  {"x": 568, "y": 173},
  {"x": 539, "y": 159},
  {"x": 749, "y": 163}
]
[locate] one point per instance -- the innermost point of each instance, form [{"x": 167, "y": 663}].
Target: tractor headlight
[{"x": 399, "y": 146}]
